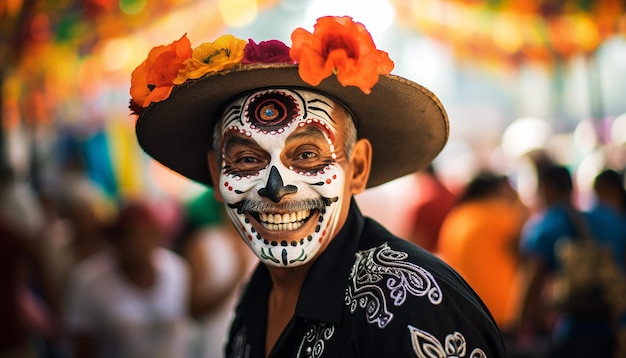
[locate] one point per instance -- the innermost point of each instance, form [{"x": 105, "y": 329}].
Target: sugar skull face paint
[{"x": 283, "y": 172}]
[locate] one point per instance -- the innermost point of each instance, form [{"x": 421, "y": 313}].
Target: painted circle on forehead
[{"x": 271, "y": 110}]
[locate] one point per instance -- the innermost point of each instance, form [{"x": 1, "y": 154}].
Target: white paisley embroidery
[
  {"x": 425, "y": 345},
  {"x": 314, "y": 340},
  {"x": 402, "y": 278}
]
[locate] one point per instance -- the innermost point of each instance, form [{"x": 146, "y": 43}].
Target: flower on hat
[
  {"x": 153, "y": 79},
  {"x": 337, "y": 46},
  {"x": 272, "y": 51},
  {"x": 224, "y": 53},
  {"x": 341, "y": 46}
]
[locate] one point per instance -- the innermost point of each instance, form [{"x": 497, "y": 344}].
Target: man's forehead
[
  {"x": 270, "y": 110},
  {"x": 305, "y": 95}
]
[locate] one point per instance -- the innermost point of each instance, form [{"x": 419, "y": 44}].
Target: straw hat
[{"x": 405, "y": 122}]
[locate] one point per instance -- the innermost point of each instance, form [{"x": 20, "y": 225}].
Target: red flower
[
  {"x": 273, "y": 51},
  {"x": 341, "y": 46},
  {"x": 152, "y": 81}
]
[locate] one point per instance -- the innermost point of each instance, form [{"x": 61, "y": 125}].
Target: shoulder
[
  {"x": 90, "y": 283},
  {"x": 607, "y": 226},
  {"x": 169, "y": 257},
  {"x": 410, "y": 275},
  {"x": 601, "y": 215},
  {"x": 555, "y": 217},
  {"x": 171, "y": 264},
  {"x": 398, "y": 287},
  {"x": 546, "y": 227}
]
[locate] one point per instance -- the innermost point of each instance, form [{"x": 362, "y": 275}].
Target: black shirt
[{"x": 370, "y": 294}]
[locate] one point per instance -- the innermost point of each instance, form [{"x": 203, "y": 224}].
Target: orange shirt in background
[{"x": 479, "y": 239}]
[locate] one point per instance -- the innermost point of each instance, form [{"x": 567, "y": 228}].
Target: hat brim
[{"x": 405, "y": 122}]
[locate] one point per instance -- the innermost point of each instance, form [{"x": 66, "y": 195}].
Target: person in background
[
  {"x": 573, "y": 335},
  {"x": 219, "y": 262},
  {"x": 609, "y": 212},
  {"x": 131, "y": 299},
  {"x": 76, "y": 210},
  {"x": 28, "y": 326},
  {"x": 434, "y": 201},
  {"x": 608, "y": 187},
  {"x": 480, "y": 239},
  {"x": 17, "y": 331},
  {"x": 286, "y": 147},
  {"x": 75, "y": 222},
  {"x": 609, "y": 208}
]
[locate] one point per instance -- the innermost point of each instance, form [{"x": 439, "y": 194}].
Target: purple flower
[{"x": 272, "y": 51}]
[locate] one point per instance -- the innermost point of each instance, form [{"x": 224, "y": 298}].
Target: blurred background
[
  {"x": 513, "y": 75},
  {"x": 517, "y": 78}
]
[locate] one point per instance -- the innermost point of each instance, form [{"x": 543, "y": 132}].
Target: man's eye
[
  {"x": 248, "y": 160},
  {"x": 244, "y": 164},
  {"x": 306, "y": 155}
]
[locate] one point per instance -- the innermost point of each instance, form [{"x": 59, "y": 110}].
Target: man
[
  {"x": 575, "y": 331},
  {"x": 296, "y": 133}
]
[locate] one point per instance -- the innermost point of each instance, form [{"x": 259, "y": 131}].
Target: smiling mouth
[{"x": 283, "y": 222}]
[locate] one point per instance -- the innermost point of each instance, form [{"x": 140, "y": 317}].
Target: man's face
[{"x": 283, "y": 172}]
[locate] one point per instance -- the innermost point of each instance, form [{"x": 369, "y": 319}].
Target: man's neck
[
  {"x": 287, "y": 282},
  {"x": 286, "y": 285}
]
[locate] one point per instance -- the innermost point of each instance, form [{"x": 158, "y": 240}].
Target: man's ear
[
  {"x": 215, "y": 175},
  {"x": 361, "y": 162}
]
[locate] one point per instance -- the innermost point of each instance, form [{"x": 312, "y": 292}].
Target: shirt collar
[{"x": 323, "y": 293}]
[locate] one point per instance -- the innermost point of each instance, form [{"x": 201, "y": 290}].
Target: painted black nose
[{"x": 275, "y": 188}]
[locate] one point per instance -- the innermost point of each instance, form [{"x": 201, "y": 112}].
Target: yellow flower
[{"x": 225, "y": 52}]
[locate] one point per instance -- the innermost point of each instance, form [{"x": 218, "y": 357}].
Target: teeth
[
  {"x": 279, "y": 227},
  {"x": 291, "y": 221}
]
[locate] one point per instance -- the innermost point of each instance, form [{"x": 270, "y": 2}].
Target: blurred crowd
[
  {"x": 87, "y": 275},
  {"x": 84, "y": 275},
  {"x": 508, "y": 246}
]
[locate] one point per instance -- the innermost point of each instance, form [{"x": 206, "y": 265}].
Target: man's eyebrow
[
  {"x": 307, "y": 132},
  {"x": 233, "y": 140}
]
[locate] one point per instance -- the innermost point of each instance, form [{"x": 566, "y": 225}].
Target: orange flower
[
  {"x": 152, "y": 81},
  {"x": 341, "y": 46},
  {"x": 225, "y": 52}
]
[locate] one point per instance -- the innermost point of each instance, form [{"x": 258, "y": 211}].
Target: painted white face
[{"x": 280, "y": 177}]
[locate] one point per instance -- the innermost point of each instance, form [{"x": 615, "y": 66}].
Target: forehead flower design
[
  {"x": 272, "y": 111},
  {"x": 337, "y": 46}
]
